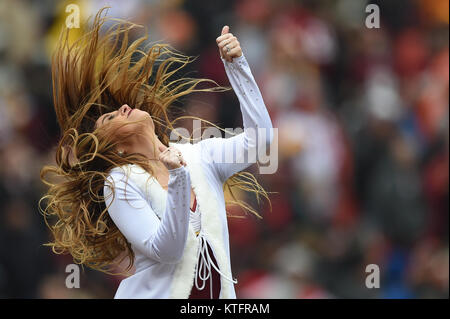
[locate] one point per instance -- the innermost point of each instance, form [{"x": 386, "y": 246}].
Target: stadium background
[{"x": 363, "y": 142}]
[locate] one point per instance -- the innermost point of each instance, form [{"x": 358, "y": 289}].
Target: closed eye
[{"x": 110, "y": 117}]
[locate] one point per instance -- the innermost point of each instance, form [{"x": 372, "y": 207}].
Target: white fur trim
[{"x": 212, "y": 224}]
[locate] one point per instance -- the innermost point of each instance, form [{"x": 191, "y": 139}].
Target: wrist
[{"x": 235, "y": 59}]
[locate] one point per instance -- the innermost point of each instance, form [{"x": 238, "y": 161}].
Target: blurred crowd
[{"x": 362, "y": 114}]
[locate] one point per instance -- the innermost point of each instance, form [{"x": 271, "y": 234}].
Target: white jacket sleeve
[
  {"x": 258, "y": 129},
  {"x": 162, "y": 240}
]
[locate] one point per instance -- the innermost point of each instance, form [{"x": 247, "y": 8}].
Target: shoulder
[
  {"x": 126, "y": 175},
  {"x": 126, "y": 170},
  {"x": 118, "y": 173}
]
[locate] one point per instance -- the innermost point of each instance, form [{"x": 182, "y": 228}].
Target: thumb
[{"x": 225, "y": 30}]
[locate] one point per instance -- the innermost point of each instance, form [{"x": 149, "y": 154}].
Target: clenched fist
[
  {"x": 229, "y": 46},
  {"x": 171, "y": 157}
]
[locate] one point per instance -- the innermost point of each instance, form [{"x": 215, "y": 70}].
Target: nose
[{"x": 124, "y": 109}]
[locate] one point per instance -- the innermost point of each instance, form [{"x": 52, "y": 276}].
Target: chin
[
  {"x": 142, "y": 115},
  {"x": 139, "y": 115}
]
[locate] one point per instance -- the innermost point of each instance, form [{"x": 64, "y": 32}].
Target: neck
[{"x": 148, "y": 146}]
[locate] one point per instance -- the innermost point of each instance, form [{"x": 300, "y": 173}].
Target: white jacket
[{"x": 156, "y": 221}]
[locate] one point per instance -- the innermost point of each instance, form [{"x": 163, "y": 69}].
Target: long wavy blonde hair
[{"x": 94, "y": 75}]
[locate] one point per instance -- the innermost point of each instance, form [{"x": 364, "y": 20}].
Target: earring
[{"x": 120, "y": 153}]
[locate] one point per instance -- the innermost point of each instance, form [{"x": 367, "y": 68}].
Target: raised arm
[
  {"x": 258, "y": 129},
  {"x": 163, "y": 240}
]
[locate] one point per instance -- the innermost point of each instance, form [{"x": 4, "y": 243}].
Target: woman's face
[
  {"x": 126, "y": 114},
  {"x": 132, "y": 136}
]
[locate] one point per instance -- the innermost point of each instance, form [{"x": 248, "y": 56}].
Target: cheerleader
[{"x": 124, "y": 190}]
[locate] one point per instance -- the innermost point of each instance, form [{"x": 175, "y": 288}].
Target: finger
[
  {"x": 162, "y": 148},
  {"x": 180, "y": 157},
  {"x": 228, "y": 54},
  {"x": 221, "y": 45},
  {"x": 170, "y": 150},
  {"x": 225, "y": 45},
  {"x": 230, "y": 46},
  {"x": 223, "y": 37},
  {"x": 177, "y": 163},
  {"x": 226, "y": 40},
  {"x": 175, "y": 153},
  {"x": 235, "y": 52},
  {"x": 225, "y": 29},
  {"x": 163, "y": 155}
]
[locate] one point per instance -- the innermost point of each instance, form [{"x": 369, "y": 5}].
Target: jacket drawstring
[{"x": 203, "y": 267}]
